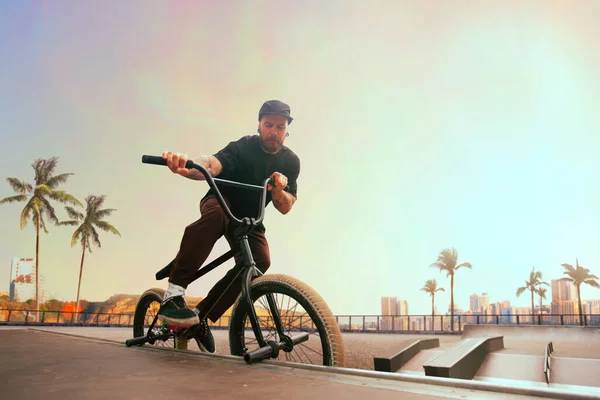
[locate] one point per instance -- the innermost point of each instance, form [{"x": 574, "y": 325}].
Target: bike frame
[{"x": 248, "y": 265}]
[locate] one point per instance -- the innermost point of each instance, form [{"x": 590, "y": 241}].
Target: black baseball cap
[{"x": 275, "y": 107}]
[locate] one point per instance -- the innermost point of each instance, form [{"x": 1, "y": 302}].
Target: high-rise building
[
  {"x": 393, "y": 306},
  {"x": 479, "y": 303},
  {"x": 22, "y": 280},
  {"x": 483, "y": 301},
  {"x": 563, "y": 291},
  {"x": 594, "y": 306},
  {"x": 568, "y": 309},
  {"x": 402, "y": 307},
  {"x": 389, "y": 306},
  {"x": 507, "y": 315},
  {"x": 474, "y": 302}
]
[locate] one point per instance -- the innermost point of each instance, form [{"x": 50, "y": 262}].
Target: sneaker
[
  {"x": 175, "y": 312},
  {"x": 204, "y": 337}
]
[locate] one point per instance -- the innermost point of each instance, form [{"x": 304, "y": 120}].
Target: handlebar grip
[{"x": 158, "y": 160}]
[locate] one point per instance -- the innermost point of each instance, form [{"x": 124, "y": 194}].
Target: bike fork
[
  {"x": 250, "y": 306},
  {"x": 250, "y": 272},
  {"x": 252, "y": 311},
  {"x": 276, "y": 317}
]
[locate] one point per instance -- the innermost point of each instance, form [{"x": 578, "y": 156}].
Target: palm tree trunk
[
  {"x": 432, "y": 312},
  {"x": 532, "y": 306},
  {"x": 579, "y": 301},
  {"x": 37, "y": 268},
  {"x": 452, "y": 302},
  {"x": 79, "y": 283}
]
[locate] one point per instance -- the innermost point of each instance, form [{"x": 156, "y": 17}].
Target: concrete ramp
[
  {"x": 575, "y": 371},
  {"x": 574, "y": 360},
  {"x": 394, "y": 360},
  {"x": 463, "y": 360},
  {"x": 528, "y": 368},
  {"x": 539, "y": 333},
  {"x": 415, "y": 365}
]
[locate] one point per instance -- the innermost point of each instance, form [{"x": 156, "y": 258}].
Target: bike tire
[
  {"x": 146, "y": 299},
  {"x": 325, "y": 322}
]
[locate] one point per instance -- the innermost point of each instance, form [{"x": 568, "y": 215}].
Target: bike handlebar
[{"x": 158, "y": 160}]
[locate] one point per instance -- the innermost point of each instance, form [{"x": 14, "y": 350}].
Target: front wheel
[{"x": 301, "y": 309}]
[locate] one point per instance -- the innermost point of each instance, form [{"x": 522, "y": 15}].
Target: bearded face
[{"x": 272, "y": 129}]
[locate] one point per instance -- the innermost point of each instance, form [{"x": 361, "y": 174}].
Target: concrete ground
[{"x": 50, "y": 365}]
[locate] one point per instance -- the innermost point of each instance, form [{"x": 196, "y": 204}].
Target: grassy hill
[{"x": 116, "y": 304}]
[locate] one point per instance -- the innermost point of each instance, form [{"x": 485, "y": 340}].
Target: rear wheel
[
  {"x": 301, "y": 309},
  {"x": 145, "y": 311}
]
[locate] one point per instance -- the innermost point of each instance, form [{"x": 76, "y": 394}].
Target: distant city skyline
[
  {"x": 561, "y": 291},
  {"x": 562, "y": 300}
]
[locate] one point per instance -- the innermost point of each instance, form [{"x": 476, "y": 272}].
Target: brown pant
[{"x": 197, "y": 243}]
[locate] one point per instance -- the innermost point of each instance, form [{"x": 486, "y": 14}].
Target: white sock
[{"x": 173, "y": 291}]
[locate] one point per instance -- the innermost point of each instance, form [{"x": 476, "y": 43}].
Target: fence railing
[
  {"x": 547, "y": 358},
  {"x": 347, "y": 323}
]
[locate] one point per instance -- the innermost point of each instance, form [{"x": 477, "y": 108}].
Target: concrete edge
[{"x": 549, "y": 392}]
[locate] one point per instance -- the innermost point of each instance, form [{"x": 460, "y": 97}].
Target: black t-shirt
[{"x": 245, "y": 161}]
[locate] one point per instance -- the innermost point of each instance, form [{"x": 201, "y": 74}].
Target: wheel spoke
[{"x": 290, "y": 314}]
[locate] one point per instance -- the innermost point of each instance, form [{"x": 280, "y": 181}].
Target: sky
[{"x": 419, "y": 125}]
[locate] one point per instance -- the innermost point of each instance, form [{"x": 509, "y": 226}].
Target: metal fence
[{"x": 348, "y": 323}]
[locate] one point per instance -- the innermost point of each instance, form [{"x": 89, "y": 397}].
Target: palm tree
[
  {"x": 37, "y": 204},
  {"x": 431, "y": 288},
  {"x": 447, "y": 262},
  {"x": 535, "y": 280},
  {"x": 86, "y": 231},
  {"x": 542, "y": 293},
  {"x": 577, "y": 276}
]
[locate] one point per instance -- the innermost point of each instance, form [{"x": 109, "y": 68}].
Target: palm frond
[
  {"x": 76, "y": 236},
  {"x": 64, "y": 197},
  {"x": 95, "y": 237},
  {"x": 42, "y": 190},
  {"x": 43, "y": 223},
  {"x": 592, "y": 283},
  {"x": 58, "y": 179},
  {"x": 26, "y": 211},
  {"x": 100, "y": 214},
  {"x": 44, "y": 169},
  {"x": 106, "y": 227},
  {"x": 74, "y": 214},
  {"x": 48, "y": 210},
  {"x": 68, "y": 223},
  {"x": 521, "y": 290},
  {"x": 96, "y": 200},
  {"x": 14, "y": 199},
  {"x": 568, "y": 267},
  {"x": 19, "y": 186},
  {"x": 465, "y": 265}
]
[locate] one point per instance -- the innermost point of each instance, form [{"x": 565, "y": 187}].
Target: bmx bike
[{"x": 291, "y": 332}]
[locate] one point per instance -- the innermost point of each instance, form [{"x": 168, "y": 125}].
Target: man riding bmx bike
[{"x": 251, "y": 159}]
